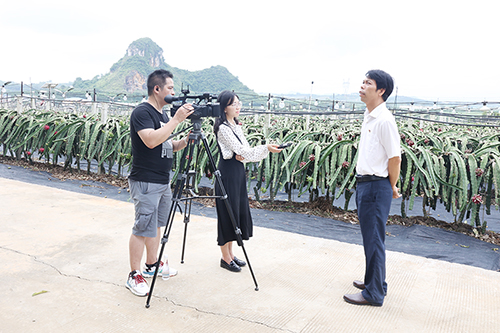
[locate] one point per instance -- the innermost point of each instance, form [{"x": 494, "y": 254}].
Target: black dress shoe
[
  {"x": 358, "y": 284},
  {"x": 358, "y": 299},
  {"x": 230, "y": 267},
  {"x": 239, "y": 262}
]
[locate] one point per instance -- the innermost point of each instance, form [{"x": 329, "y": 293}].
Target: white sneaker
[
  {"x": 172, "y": 271},
  {"x": 136, "y": 284},
  {"x": 148, "y": 271}
]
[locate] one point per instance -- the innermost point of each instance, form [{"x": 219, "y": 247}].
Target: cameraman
[{"x": 149, "y": 180}]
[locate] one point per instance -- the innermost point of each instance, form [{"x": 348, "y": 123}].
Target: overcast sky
[{"x": 436, "y": 50}]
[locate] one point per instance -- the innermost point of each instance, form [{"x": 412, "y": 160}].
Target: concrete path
[{"x": 65, "y": 260}]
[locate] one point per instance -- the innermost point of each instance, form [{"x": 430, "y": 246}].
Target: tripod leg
[
  {"x": 229, "y": 209},
  {"x": 187, "y": 217},
  {"x": 191, "y": 176},
  {"x": 164, "y": 241},
  {"x": 177, "y": 194}
]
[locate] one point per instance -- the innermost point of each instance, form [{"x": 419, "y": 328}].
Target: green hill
[{"x": 129, "y": 74}]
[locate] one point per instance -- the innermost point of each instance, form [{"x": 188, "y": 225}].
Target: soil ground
[{"x": 320, "y": 207}]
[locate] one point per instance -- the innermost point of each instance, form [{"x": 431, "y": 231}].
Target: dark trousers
[{"x": 373, "y": 200}]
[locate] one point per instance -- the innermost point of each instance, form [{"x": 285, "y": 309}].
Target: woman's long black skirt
[{"x": 234, "y": 180}]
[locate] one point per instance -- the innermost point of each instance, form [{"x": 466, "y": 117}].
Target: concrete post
[
  {"x": 104, "y": 112},
  {"x": 19, "y": 104}
]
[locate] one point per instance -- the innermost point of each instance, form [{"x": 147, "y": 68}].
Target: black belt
[{"x": 368, "y": 178}]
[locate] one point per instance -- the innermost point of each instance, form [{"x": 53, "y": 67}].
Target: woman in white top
[{"x": 234, "y": 150}]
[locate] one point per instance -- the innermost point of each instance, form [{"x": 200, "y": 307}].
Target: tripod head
[
  {"x": 196, "y": 125},
  {"x": 195, "y": 128},
  {"x": 196, "y": 133}
]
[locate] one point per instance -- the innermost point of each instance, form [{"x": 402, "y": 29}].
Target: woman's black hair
[{"x": 225, "y": 99}]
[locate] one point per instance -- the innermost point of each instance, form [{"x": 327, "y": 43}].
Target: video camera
[{"x": 203, "y": 105}]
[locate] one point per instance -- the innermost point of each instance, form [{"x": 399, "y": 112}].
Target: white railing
[{"x": 77, "y": 106}]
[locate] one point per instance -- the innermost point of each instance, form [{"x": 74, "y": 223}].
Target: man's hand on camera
[{"x": 183, "y": 112}]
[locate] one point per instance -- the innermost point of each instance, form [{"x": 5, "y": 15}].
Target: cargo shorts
[{"x": 152, "y": 204}]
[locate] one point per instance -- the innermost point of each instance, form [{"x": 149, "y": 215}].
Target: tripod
[{"x": 183, "y": 177}]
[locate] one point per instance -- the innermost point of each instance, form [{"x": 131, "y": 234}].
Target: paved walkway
[{"x": 65, "y": 260}]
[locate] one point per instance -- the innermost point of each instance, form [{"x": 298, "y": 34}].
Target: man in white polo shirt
[{"x": 378, "y": 166}]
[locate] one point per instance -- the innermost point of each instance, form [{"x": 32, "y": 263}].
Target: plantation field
[{"x": 450, "y": 164}]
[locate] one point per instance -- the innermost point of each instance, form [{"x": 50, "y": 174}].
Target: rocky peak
[
  {"x": 135, "y": 81},
  {"x": 145, "y": 47}
]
